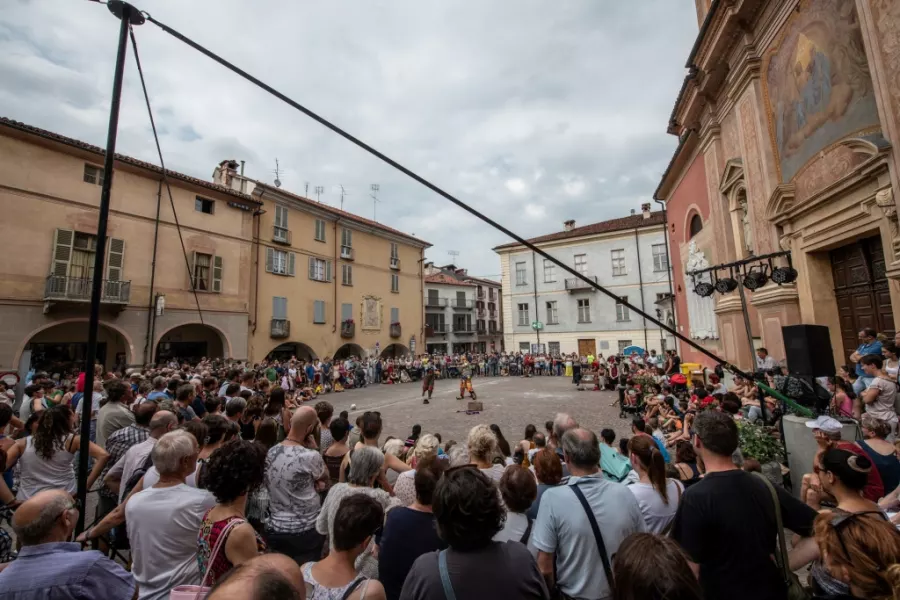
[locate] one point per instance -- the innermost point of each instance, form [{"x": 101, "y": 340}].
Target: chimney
[
  {"x": 569, "y": 225},
  {"x": 645, "y": 209},
  {"x": 225, "y": 172}
]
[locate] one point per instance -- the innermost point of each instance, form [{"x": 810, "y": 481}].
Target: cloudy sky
[{"x": 532, "y": 111}]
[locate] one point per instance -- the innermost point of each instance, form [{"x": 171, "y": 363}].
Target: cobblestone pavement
[{"x": 510, "y": 402}]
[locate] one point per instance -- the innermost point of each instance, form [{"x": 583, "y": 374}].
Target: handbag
[
  {"x": 795, "y": 589},
  {"x": 199, "y": 592}
]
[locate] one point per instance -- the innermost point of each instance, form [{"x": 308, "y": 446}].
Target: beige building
[
  {"x": 50, "y": 197},
  {"x": 327, "y": 282}
]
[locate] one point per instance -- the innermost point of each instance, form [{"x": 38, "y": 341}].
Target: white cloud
[
  {"x": 535, "y": 211},
  {"x": 516, "y": 186}
]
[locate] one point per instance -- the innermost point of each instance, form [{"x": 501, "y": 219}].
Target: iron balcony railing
[
  {"x": 59, "y": 287},
  {"x": 280, "y": 235},
  {"x": 435, "y": 302},
  {"x": 395, "y": 263},
  {"x": 281, "y": 328},
  {"x": 463, "y": 329},
  {"x": 481, "y": 294},
  {"x": 578, "y": 284},
  {"x": 462, "y": 304}
]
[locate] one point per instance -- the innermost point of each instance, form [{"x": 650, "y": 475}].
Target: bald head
[
  {"x": 143, "y": 413},
  {"x": 303, "y": 421},
  {"x": 265, "y": 577},
  {"x": 45, "y": 517},
  {"x": 561, "y": 424},
  {"x": 162, "y": 422},
  {"x": 581, "y": 449}
]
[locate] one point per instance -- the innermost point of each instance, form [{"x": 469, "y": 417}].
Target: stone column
[
  {"x": 776, "y": 306},
  {"x": 733, "y": 332}
]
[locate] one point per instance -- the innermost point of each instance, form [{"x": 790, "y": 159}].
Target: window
[
  {"x": 320, "y": 230},
  {"x": 318, "y": 312},
  {"x": 319, "y": 269},
  {"x": 660, "y": 260},
  {"x": 93, "y": 174},
  {"x": 584, "y": 310},
  {"x": 346, "y": 243},
  {"x": 435, "y": 321},
  {"x": 395, "y": 256},
  {"x": 280, "y": 262},
  {"x": 549, "y": 271},
  {"x": 204, "y": 205},
  {"x": 524, "y": 347},
  {"x": 279, "y": 307},
  {"x": 395, "y": 315},
  {"x": 581, "y": 263},
  {"x": 696, "y": 226},
  {"x": 523, "y": 315},
  {"x": 520, "y": 274},
  {"x": 622, "y": 310},
  {"x": 618, "y": 262},
  {"x": 395, "y": 283},
  {"x": 433, "y": 299},
  {"x": 73, "y": 257},
  {"x": 347, "y": 274},
  {"x": 552, "y": 316},
  {"x": 280, "y": 232},
  {"x": 84, "y": 247},
  {"x": 623, "y": 344},
  {"x": 207, "y": 271},
  {"x": 663, "y": 296},
  {"x": 553, "y": 348}
]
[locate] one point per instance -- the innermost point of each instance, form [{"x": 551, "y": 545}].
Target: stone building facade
[{"x": 785, "y": 122}]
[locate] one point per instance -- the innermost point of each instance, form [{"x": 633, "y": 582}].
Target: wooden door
[
  {"x": 586, "y": 347},
  {"x": 861, "y": 291}
]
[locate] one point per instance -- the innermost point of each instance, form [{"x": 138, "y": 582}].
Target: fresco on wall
[{"x": 818, "y": 86}]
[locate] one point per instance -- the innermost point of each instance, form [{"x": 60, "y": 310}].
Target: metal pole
[
  {"x": 669, "y": 269},
  {"x": 127, "y": 15},
  {"x": 151, "y": 309},
  {"x": 637, "y": 246},
  {"x": 762, "y": 402},
  {"x": 537, "y": 310}
]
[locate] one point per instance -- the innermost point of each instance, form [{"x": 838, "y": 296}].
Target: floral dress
[{"x": 206, "y": 541}]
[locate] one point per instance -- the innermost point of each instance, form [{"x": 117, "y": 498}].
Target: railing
[
  {"x": 481, "y": 329},
  {"x": 280, "y": 235},
  {"x": 492, "y": 314},
  {"x": 437, "y": 329},
  {"x": 463, "y": 329},
  {"x": 435, "y": 302},
  {"x": 395, "y": 330},
  {"x": 280, "y": 328},
  {"x": 462, "y": 304},
  {"x": 59, "y": 287},
  {"x": 578, "y": 284},
  {"x": 495, "y": 331},
  {"x": 481, "y": 313},
  {"x": 348, "y": 330},
  {"x": 395, "y": 263},
  {"x": 346, "y": 252}
]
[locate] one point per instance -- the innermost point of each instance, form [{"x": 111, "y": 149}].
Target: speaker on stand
[{"x": 807, "y": 349}]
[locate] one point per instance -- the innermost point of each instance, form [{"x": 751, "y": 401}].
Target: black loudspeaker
[{"x": 808, "y": 350}]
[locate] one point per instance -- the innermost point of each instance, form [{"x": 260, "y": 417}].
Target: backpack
[
  {"x": 136, "y": 476},
  {"x": 615, "y": 466}
]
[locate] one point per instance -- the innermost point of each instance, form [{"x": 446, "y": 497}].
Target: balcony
[
  {"x": 481, "y": 313},
  {"x": 462, "y": 304},
  {"x": 577, "y": 285},
  {"x": 481, "y": 329},
  {"x": 348, "y": 329},
  {"x": 346, "y": 253},
  {"x": 463, "y": 330},
  {"x": 395, "y": 263},
  {"x": 495, "y": 332},
  {"x": 395, "y": 330},
  {"x": 435, "y": 330},
  {"x": 70, "y": 289},
  {"x": 280, "y": 235},
  {"x": 492, "y": 314},
  {"x": 280, "y": 328},
  {"x": 436, "y": 303},
  {"x": 481, "y": 293}
]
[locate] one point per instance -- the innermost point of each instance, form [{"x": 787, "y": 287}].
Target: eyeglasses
[{"x": 839, "y": 520}]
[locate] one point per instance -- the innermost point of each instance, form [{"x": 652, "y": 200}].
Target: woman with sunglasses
[
  {"x": 860, "y": 555},
  {"x": 843, "y": 475}
]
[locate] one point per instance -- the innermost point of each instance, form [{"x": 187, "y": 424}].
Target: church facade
[{"x": 786, "y": 124}]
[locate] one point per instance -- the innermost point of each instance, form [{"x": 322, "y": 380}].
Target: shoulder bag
[
  {"x": 667, "y": 530},
  {"x": 199, "y": 592},
  {"x": 607, "y": 568},
  {"x": 795, "y": 589}
]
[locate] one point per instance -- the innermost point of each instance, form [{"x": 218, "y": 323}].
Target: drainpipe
[
  {"x": 537, "y": 310},
  {"x": 257, "y": 214},
  {"x": 421, "y": 262},
  {"x": 334, "y": 275},
  {"x": 151, "y": 308},
  {"x": 662, "y": 205},
  {"x": 641, "y": 285}
]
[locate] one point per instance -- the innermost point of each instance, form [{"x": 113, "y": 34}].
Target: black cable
[
  {"x": 434, "y": 188},
  {"x": 162, "y": 163}
]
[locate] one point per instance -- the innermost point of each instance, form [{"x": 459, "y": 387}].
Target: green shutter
[
  {"x": 290, "y": 266},
  {"x": 312, "y": 267},
  {"x": 395, "y": 315},
  {"x": 319, "y": 311},
  {"x": 62, "y": 252},
  {"x": 270, "y": 260},
  {"x": 346, "y": 311},
  {"x": 328, "y": 270},
  {"x": 115, "y": 259}
]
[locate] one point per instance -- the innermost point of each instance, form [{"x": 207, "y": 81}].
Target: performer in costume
[
  {"x": 428, "y": 383},
  {"x": 465, "y": 380}
]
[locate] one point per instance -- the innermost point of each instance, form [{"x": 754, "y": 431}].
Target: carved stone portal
[{"x": 371, "y": 313}]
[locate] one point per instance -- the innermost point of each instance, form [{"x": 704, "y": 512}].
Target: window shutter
[
  {"x": 270, "y": 260},
  {"x": 217, "y": 274},
  {"x": 312, "y": 267},
  {"x": 346, "y": 311},
  {"x": 279, "y": 307},
  {"x": 62, "y": 252},
  {"x": 319, "y": 311},
  {"x": 395, "y": 315},
  {"x": 291, "y": 260},
  {"x": 115, "y": 259},
  {"x": 328, "y": 270},
  {"x": 193, "y": 270}
]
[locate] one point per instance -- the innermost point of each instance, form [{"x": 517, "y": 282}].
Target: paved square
[{"x": 510, "y": 402}]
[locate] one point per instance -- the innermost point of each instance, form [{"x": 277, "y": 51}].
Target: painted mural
[{"x": 817, "y": 82}]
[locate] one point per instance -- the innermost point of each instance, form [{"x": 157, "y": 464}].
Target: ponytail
[{"x": 647, "y": 452}]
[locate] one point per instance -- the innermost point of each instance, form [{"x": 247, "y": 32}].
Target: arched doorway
[
  {"x": 190, "y": 343},
  {"x": 289, "y": 350},
  {"x": 348, "y": 350},
  {"x": 395, "y": 351},
  {"x": 63, "y": 346}
]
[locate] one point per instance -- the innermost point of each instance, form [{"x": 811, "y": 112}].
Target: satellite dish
[{"x": 277, "y": 182}]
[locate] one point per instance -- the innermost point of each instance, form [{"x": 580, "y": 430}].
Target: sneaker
[{"x": 426, "y": 401}]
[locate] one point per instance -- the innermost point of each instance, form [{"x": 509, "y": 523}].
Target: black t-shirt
[
  {"x": 408, "y": 534},
  {"x": 500, "y": 571},
  {"x": 726, "y": 523}
]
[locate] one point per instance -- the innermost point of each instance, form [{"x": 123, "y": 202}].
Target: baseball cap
[{"x": 826, "y": 424}]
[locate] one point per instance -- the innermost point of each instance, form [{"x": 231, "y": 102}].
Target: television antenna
[
  {"x": 278, "y": 172},
  {"x": 319, "y": 190},
  {"x": 375, "y": 187},
  {"x": 306, "y": 189},
  {"x": 453, "y": 254},
  {"x": 343, "y": 193}
]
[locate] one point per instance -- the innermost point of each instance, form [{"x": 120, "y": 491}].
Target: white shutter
[
  {"x": 62, "y": 252},
  {"x": 270, "y": 260},
  {"x": 217, "y": 274},
  {"x": 312, "y": 267},
  {"x": 328, "y": 270},
  {"x": 291, "y": 258}
]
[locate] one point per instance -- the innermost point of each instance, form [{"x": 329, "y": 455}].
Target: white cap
[{"x": 826, "y": 424}]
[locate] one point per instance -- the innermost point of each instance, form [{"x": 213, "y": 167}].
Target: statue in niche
[
  {"x": 701, "y": 311},
  {"x": 745, "y": 223},
  {"x": 371, "y": 313}
]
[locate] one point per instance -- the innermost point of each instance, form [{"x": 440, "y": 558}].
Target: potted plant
[
  {"x": 756, "y": 441},
  {"x": 395, "y": 329},
  {"x": 347, "y": 328}
]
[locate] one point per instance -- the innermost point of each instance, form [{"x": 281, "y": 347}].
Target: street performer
[
  {"x": 428, "y": 382},
  {"x": 465, "y": 380}
]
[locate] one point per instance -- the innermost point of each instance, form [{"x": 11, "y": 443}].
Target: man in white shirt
[
  {"x": 117, "y": 478},
  {"x": 764, "y": 362},
  {"x": 163, "y": 520}
]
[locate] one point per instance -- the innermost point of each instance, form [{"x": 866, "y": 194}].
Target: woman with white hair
[
  {"x": 393, "y": 447},
  {"x": 405, "y": 488},
  {"x": 163, "y": 520},
  {"x": 483, "y": 449},
  {"x": 365, "y": 469}
]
